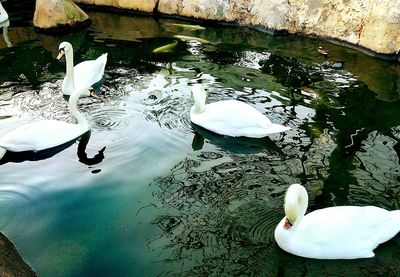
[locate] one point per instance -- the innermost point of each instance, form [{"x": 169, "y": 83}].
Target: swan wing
[
  {"x": 40, "y": 135},
  {"x": 90, "y": 72},
  {"x": 235, "y": 118},
  {"x": 344, "y": 232}
]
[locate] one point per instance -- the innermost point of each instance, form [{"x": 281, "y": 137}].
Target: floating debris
[
  {"x": 166, "y": 48},
  {"x": 323, "y": 51},
  {"x": 334, "y": 65},
  {"x": 187, "y": 38},
  {"x": 186, "y": 26}
]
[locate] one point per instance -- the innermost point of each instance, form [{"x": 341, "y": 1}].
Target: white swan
[
  {"x": 230, "y": 117},
  {"x": 84, "y": 74},
  {"x": 343, "y": 232},
  {"x": 3, "y": 14},
  {"x": 45, "y": 134}
]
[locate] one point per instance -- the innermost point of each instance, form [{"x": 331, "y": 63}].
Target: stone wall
[{"x": 371, "y": 24}]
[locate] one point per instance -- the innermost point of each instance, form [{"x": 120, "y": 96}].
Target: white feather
[
  {"x": 343, "y": 232},
  {"x": 231, "y": 117}
]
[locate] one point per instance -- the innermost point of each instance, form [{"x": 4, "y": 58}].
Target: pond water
[{"x": 164, "y": 198}]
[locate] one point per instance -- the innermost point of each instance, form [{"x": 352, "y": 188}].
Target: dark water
[{"x": 165, "y": 198}]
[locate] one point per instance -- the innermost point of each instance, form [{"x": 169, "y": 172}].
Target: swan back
[{"x": 199, "y": 96}]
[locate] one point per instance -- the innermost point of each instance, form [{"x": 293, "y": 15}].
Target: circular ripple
[{"x": 12, "y": 197}]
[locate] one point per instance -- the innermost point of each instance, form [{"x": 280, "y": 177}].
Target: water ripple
[{"x": 12, "y": 198}]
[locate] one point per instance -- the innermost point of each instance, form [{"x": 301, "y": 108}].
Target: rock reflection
[{"x": 5, "y": 25}]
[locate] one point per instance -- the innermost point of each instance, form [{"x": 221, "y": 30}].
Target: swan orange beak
[
  {"x": 61, "y": 53},
  {"x": 94, "y": 95},
  {"x": 287, "y": 224}
]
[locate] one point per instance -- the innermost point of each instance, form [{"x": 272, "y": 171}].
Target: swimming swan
[
  {"x": 45, "y": 134},
  {"x": 82, "y": 75},
  {"x": 343, "y": 232},
  {"x": 3, "y": 14},
  {"x": 230, "y": 117}
]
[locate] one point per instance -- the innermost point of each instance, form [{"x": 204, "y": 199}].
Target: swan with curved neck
[
  {"x": 46, "y": 134},
  {"x": 84, "y": 74},
  {"x": 230, "y": 117},
  {"x": 342, "y": 232},
  {"x": 3, "y": 14}
]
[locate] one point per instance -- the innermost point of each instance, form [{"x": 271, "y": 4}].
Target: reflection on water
[{"x": 148, "y": 193}]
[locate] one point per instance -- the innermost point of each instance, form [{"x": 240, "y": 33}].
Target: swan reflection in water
[
  {"x": 18, "y": 157},
  {"x": 240, "y": 145},
  {"x": 5, "y": 25}
]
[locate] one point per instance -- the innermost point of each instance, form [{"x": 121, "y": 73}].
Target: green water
[{"x": 169, "y": 199}]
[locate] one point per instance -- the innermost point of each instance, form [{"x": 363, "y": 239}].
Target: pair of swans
[
  {"x": 230, "y": 117},
  {"x": 343, "y": 232},
  {"x": 47, "y": 134}
]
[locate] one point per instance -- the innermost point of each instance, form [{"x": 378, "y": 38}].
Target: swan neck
[
  {"x": 5, "y": 35},
  {"x": 199, "y": 102},
  {"x": 69, "y": 78},
  {"x": 296, "y": 203},
  {"x": 73, "y": 107}
]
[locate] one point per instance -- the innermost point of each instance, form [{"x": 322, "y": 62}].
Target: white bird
[
  {"x": 230, "y": 117},
  {"x": 3, "y": 14},
  {"x": 82, "y": 75},
  {"x": 342, "y": 232},
  {"x": 46, "y": 134}
]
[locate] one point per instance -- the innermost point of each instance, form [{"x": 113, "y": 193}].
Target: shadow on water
[
  {"x": 18, "y": 157},
  {"x": 241, "y": 145}
]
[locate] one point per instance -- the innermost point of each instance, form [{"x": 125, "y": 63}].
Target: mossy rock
[
  {"x": 11, "y": 263},
  {"x": 59, "y": 17}
]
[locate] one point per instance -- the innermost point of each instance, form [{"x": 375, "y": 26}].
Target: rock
[
  {"x": 370, "y": 24},
  {"x": 147, "y": 6},
  {"x": 11, "y": 263},
  {"x": 56, "y": 16}
]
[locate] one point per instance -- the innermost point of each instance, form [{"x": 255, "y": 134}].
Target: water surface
[{"x": 148, "y": 194}]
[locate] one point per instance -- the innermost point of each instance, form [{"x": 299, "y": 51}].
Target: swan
[
  {"x": 342, "y": 232},
  {"x": 84, "y": 74},
  {"x": 3, "y": 14},
  {"x": 46, "y": 134},
  {"x": 230, "y": 117}
]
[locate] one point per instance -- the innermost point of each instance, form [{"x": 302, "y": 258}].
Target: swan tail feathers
[
  {"x": 103, "y": 59},
  {"x": 2, "y": 152},
  {"x": 277, "y": 128}
]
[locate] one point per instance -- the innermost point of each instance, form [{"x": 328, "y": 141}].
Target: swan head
[
  {"x": 63, "y": 49},
  {"x": 86, "y": 91},
  {"x": 89, "y": 92},
  {"x": 200, "y": 96},
  {"x": 296, "y": 202}
]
